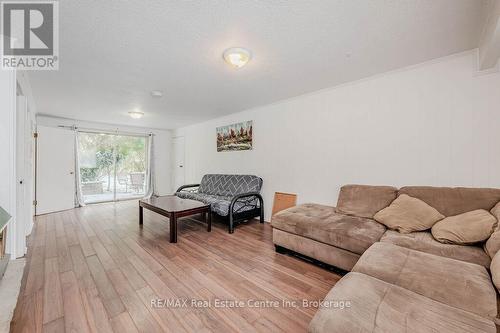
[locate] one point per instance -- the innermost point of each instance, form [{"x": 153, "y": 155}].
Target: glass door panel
[
  {"x": 97, "y": 166},
  {"x": 131, "y": 167},
  {"x": 112, "y": 167}
]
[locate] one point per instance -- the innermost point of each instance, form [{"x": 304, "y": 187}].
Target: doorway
[
  {"x": 179, "y": 173},
  {"x": 55, "y": 179},
  {"x": 25, "y": 209},
  {"x": 112, "y": 167}
]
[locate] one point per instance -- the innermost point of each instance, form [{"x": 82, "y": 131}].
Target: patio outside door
[{"x": 112, "y": 167}]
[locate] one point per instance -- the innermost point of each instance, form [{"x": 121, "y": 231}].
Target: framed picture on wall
[{"x": 235, "y": 137}]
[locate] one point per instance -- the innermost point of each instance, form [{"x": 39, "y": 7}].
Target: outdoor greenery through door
[{"x": 112, "y": 167}]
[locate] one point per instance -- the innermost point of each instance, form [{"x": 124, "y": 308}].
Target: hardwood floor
[{"x": 93, "y": 269}]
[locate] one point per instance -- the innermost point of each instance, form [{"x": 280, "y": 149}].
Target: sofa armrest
[
  {"x": 242, "y": 196},
  {"x": 187, "y": 186},
  {"x": 245, "y": 195}
]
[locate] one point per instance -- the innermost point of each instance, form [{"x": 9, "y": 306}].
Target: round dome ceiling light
[
  {"x": 157, "y": 93},
  {"x": 136, "y": 114},
  {"x": 237, "y": 57}
]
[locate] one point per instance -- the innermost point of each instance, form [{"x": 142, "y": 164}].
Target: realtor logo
[{"x": 30, "y": 35}]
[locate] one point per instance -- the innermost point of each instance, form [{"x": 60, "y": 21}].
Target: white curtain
[
  {"x": 150, "y": 174},
  {"x": 78, "y": 184}
]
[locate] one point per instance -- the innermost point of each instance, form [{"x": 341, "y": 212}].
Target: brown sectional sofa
[
  {"x": 423, "y": 241},
  {"x": 319, "y": 232},
  {"x": 398, "y": 282}
]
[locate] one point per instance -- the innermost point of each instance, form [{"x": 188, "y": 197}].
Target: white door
[
  {"x": 179, "y": 174},
  {"x": 24, "y": 174},
  {"x": 22, "y": 215},
  {"x": 55, "y": 170}
]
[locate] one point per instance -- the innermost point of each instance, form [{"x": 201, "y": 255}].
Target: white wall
[
  {"x": 162, "y": 146},
  {"x": 7, "y": 149},
  {"x": 9, "y": 177},
  {"x": 435, "y": 124}
]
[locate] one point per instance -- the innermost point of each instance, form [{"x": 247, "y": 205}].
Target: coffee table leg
[
  {"x": 141, "y": 215},
  {"x": 173, "y": 228},
  {"x": 208, "y": 216}
]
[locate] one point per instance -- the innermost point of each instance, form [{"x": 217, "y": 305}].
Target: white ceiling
[{"x": 114, "y": 52}]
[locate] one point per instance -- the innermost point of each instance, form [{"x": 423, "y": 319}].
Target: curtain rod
[{"x": 98, "y": 131}]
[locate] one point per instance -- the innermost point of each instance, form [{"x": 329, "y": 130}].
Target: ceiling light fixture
[
  {"x": 136, "y": 114},
  {"x": 157, "y": 93},
  {"x": 237, "y": 57}
]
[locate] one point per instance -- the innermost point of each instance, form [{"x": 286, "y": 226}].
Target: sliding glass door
[
  {"x": 112, "y": 167},
  {"x": 131, "y": 167}
]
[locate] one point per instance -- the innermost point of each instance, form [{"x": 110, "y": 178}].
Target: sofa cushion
[
  {"x": 423, "y": 241},
  {"x": 451, "y": 201},
  {"x": 467, "y": 228},
  {"x": 378, "y": 306},
  {"x": 323, "y": 224},
  {"x": 492, "y": 245},
  {"x": 325, "y": 253},
  {"x": 456, "y": 283},
  {"x": 219, "y": 204},
  {"x": 407, "y": 214},
  {"x": 495, "y": 270},
  {"x": 229, "y": 185},
  {"x": 364, "y": 200},
  {"x": 495, "y": 211}
]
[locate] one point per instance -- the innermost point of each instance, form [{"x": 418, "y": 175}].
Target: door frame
[
  {"x": 35, "y": 171},
  {"x": 8, "y": 100},
  {"x": 117, "y": 133},
  {"x": 176, "y": 168},
  {"x": 37, "y": 168}
]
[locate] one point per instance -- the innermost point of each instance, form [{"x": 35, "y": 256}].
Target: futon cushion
[
  {"x": 467, "y": 228},
  {"x": 364, "y": 200},
  {"x": 423, "y": 241},
  {"x": 456, "y": 283},
  {"x": 407, "y": 214},
  {"x": 229, "y": 185},
  {"x": 219, "y": 204},
  {"x": 378, "y": 306},
  {"x": 495, "y": 270},
  {"x": 323, "y": 224}
]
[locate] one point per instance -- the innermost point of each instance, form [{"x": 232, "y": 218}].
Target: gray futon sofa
[{"x": 232, "y": 197}]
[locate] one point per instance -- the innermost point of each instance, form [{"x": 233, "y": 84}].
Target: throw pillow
[
  {"x": 407, "y": 214},
  {"x": 467, "y": 228},
  {"x": 492, "y": 245},
  {"x": 495, "y": 270},
  {"x": 495, "y": 211}
]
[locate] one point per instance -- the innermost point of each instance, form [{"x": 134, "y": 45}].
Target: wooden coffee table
[{"x": 173, "y": 207}]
